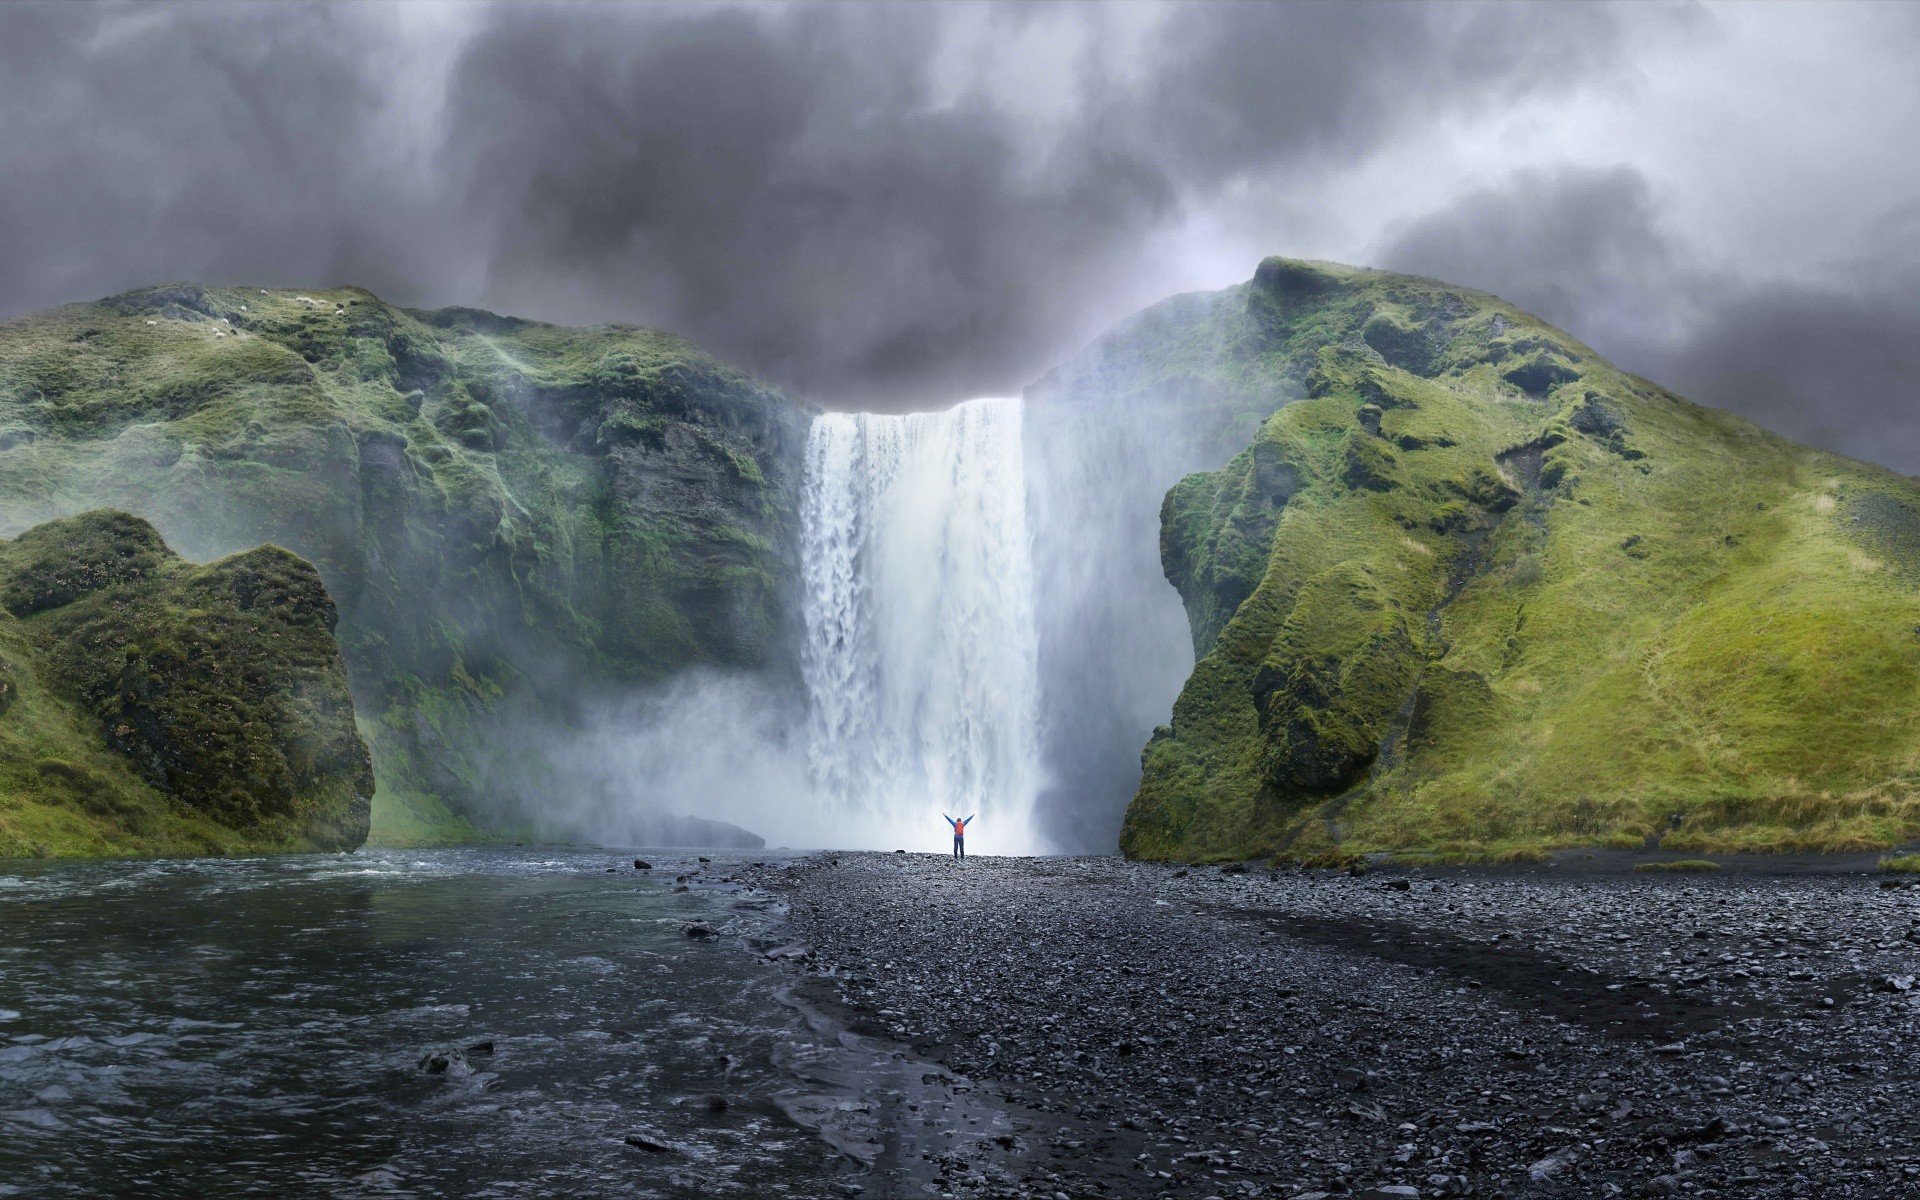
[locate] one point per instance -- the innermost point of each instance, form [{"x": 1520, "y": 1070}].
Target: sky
[{"x": 897, "y": 207}]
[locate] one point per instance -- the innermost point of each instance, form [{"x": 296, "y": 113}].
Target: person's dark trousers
[{"x": 959, "y": 847}]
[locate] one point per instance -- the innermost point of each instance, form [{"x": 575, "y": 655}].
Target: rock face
[
  {"x": 509, "y": 515},
  {"x": 158, "y": 706},
  {"x": 1480, "y": 593}
]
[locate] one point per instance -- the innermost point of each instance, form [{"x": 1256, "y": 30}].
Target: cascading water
[{"x": 922, "y": 656}]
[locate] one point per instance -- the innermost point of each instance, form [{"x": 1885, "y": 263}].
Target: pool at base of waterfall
[{"x": 505, "y": 1022}]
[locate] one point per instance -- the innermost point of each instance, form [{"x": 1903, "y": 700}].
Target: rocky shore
[{"x": 1545, "y": 1031}]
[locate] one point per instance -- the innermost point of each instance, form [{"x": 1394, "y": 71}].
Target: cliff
[{"x": 509, "y": 515}]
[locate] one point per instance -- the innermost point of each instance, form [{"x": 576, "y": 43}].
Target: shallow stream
[{"x": 472, "y": 1022}]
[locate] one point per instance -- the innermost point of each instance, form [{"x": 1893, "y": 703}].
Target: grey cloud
[
  {"x": 1832, "y": 365},
  {"x": 1255, "y": 84},
  {"x": 1582, "y": 248},
  {"x": 1833, "y": 369},
  {"x": 798, "y": 188}
]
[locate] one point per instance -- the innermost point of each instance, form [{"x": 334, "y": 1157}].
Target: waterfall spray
[{"x": 922, "y": 656}]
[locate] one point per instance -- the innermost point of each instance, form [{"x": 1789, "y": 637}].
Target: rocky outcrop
[{"x": 162, "y": 706}]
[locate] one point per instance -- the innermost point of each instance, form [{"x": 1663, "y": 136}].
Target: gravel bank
[{"x": 1208, "y": 1033}]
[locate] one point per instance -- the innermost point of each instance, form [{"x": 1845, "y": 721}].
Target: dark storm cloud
[
  {"x": 847, "y": 198},
  {"x": 1834, "y": 365},
  {"x": 1835, "y": 369},
  {"x": 1580, "y": 248}
]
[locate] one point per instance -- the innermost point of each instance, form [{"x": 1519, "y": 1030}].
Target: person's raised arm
[
  {"x": 969, "y": 819},
  {"x": 949, "y": 819}
]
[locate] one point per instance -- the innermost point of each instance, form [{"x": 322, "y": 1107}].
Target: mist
[{"x": 707, "y": 745}]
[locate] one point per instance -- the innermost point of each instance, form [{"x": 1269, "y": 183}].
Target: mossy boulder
[
  {"x": 164, "y": 706},
  {"x": 1505, "y": 597}
]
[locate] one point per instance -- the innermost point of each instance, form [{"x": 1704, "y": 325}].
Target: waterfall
[{"x": 922, "y": 657}]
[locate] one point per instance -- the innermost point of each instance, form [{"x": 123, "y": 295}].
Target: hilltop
[{"x": 1474, "y": 592}]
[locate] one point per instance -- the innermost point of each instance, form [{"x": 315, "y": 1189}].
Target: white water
[{"x": 922, "y": 656}]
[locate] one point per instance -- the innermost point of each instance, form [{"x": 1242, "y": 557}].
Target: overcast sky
[{"x": 903, "y": 206}]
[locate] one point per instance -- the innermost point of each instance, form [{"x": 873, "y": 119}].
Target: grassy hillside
[
  {"x": 1480, "y": 593},
  {"x": 507, "y": 513},
  {"x": 149, "y": 705}
]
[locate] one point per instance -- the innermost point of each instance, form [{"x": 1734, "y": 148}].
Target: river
[{"x": 270, "y": 1026}]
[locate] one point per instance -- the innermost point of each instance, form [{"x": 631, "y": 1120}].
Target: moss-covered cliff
[
  {"x": 1479, "y": 592},
  {"x": 148, "y": 705},
  {"x": 507, "y": 513}
]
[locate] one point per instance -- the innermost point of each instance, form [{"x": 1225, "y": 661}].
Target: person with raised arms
[{"x": 959, "y": 834}]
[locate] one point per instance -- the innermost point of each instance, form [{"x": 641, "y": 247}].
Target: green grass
[
  {"x": 1901, "y": 862},
  {"x": 1680, "y": 864},
  {"x": 1511, "y": 619},
  {"x": 153, "y": 706},
  {"x": 476, "y": 491}
]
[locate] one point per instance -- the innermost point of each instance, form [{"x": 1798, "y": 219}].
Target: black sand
[{"x": 1572, "y": 1031}]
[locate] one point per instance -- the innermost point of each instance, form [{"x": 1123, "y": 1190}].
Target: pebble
[{"x": 1281, "y": 1034}]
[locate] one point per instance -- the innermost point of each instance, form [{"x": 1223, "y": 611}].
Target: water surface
[{"x": 257, "y": 1027}]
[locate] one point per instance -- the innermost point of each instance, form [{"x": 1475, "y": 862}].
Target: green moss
[
  {"x": 1908, "y": 863},
  {"x": 506, "y": 511},
  {"x": 1512, "y": 599},
  {"x": 1681, "y": 864},
  {"x": 157, "y": 706}
]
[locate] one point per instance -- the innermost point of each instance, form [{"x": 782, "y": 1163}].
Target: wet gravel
[{"x": 1528, "y": 1032}]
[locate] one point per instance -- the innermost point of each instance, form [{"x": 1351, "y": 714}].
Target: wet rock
[
  {"x": 1553, "y": 1165},
  {"x": 485, "y": 1047},
  {"x": 652, "y": 1143},
  {"x": 641, "y": 864},
  {"x": 700, "y": 931},
  {"x": 445, "y": 1061}
]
